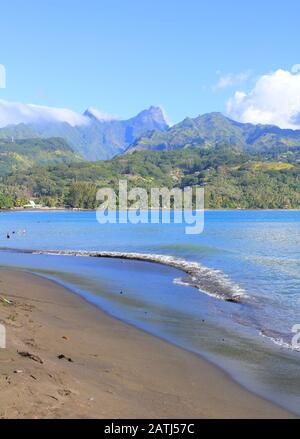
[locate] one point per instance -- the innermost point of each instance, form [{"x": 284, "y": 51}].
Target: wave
[
  {"x": 279, "y": 341},
  {"x": 212, "y": 282}
]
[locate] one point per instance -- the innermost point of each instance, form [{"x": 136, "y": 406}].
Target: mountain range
[
  {"x": 90, "y": 135},
  {"x": 56, "y": 157},
  {"x": 97, "y": 136},
  {"x": 213, "y": 131}
]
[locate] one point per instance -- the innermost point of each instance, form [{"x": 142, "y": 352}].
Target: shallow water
[{"x": 257, "y": 252}]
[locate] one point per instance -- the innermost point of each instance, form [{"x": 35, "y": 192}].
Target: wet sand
[{"x": 67, "y": 359}]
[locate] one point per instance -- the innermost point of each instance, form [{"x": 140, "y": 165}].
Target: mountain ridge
[
  {"x": 212, "y": 130},
  {"x": 102, "y": 136},
  {"x": 95, "y": 139}
]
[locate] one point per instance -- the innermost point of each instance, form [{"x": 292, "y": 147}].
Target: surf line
[{"x": 209, "y": 281}]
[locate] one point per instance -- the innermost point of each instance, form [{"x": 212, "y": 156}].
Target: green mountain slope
[
  {"x": 95, "y": 139},
  {"x": 20, "y": 155},
  {"x": 214, "y": 130},
  {"x": 232, "y": 179}
]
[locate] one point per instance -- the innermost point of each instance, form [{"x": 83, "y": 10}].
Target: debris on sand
[
  {"x": 31, "y": 356},
  {"x": 6, "y": 301},
  {"x": 63, "y": 357}
]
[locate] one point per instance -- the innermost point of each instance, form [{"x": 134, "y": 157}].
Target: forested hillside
[
  {"x": 232, "y": 179},
  {"x": 20, "y": 155}
]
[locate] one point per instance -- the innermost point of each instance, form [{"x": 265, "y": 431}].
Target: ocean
[{"x": 230, "y": 294}]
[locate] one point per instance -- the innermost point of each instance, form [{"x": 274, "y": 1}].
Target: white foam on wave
[
  {"x": 212, "y": 282},
  {"x": 280, "y": 342}
]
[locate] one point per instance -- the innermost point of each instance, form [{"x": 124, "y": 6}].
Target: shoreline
[
  {"x": 204, "y": 279},
  {"x": 79, "y": 209},
  {"x": 116, "y": 370}
]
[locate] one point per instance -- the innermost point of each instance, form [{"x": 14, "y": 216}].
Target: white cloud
[
  {"x": 100, "y": 115},
  {"x": 13, "y": 113},
  {"x": 275, "y": 99},
  {"x": 230, "y": 79},
  {"x": 168, "y": 120}
]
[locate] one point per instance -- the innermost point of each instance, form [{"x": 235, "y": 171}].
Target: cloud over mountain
[
  {"x": 99, "y": 115},
  {"x": 94, "y": 135},
  {"x": 275, "y": 100},
  {"x": 13, "y": 113}
]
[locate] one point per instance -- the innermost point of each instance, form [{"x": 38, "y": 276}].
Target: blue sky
[{"x": 123, "y": 56}]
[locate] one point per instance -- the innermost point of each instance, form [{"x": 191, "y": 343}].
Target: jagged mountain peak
[
  {"x": 215, "y": 130},
  {"x": 95, "y": 135},
  {"x": 154, "y": 114}
]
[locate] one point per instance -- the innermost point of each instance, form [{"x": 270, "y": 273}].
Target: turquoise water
[{"x": 255, "y": 253}]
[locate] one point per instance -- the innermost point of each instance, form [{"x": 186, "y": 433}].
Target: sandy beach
[{"x": 67, "y": 359}]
